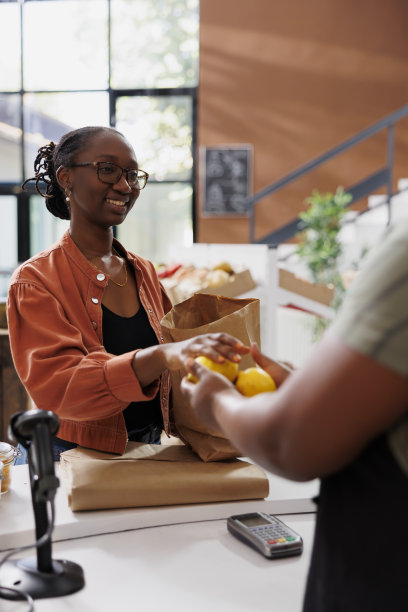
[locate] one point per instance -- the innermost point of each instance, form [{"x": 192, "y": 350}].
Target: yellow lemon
[
  {"x": 227, "y": 368},
  {"x": 254, "y": 380}
]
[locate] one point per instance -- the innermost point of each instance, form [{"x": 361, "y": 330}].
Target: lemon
[
  {"x": 253, "y": 381},
  {"x": 224, "y": 265},
  {"x": 227, "y": 368}
]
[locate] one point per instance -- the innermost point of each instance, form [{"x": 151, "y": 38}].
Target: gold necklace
[{"x": 109, "y": 277}]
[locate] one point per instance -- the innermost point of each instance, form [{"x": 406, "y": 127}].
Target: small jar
[{"x": 8, "y": 454}]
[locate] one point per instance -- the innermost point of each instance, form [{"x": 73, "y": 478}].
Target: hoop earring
[{"x": 67, "y": 192}]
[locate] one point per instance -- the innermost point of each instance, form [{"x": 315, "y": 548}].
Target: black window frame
[{"x": 23, "y": 197}]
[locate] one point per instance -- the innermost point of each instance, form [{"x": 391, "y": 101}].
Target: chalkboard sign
[{"x": 226, "y": 176}]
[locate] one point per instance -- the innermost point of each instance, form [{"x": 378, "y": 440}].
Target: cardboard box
[
  {"x": 238, "y": 283},
  {"x": 318, "y": 293}
]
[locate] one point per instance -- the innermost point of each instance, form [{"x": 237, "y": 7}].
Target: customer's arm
[{"x": 316, "y": 422}]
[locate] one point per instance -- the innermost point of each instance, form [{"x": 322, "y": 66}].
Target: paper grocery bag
[
  {"x": 201, "y": 314},
  {"x": 155, "y": 475}
]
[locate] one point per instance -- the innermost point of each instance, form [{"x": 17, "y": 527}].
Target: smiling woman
[{"x": 84, "y": 315}]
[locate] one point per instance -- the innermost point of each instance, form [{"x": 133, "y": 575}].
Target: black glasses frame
[{"x": 141, "y": 174}]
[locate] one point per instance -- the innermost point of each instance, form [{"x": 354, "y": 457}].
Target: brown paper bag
[
  {"x": 154, "y": 475},
  {"x": 201, "y": 314}
]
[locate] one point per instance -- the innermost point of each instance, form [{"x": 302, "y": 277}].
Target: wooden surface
[
  {"x": 294, "y": 79},
  {"x": 13, "y": 397}
]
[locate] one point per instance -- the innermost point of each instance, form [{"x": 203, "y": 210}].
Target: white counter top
[
  {"x": 198, "y": 567},
  {"x": 17, "y": 522}
]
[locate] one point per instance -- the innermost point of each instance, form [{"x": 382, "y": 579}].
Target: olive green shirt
[{"x": 373, "y": 319}]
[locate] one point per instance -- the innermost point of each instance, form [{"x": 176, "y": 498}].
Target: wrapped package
[{"x": 155, "y": 475}]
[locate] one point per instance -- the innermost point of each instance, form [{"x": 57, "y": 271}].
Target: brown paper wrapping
[
  {"x": 201, "y": 314},
  {"x": 154, "y": 475}
]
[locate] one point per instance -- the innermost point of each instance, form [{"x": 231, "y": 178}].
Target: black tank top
[{"x": 124, "y": 334}]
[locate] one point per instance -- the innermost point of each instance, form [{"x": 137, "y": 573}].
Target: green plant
[{"x": 319, "y": 245}]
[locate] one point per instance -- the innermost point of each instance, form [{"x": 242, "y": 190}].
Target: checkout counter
[{"x": 166, "y": 558}]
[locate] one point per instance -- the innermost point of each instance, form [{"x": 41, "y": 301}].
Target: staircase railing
[{"x": 380, "y": 178}]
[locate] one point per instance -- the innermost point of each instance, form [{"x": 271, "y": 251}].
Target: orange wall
[{"x": 295, "y": 78}]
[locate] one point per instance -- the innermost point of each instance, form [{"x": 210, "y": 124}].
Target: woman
[
  {"x": 84, "y": 315},
  {"x": 342, "y": 418}
]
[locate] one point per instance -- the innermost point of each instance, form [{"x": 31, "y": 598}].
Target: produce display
[
  {"x": 248, "y": 382},
  {"x": 182, "y": 281}
]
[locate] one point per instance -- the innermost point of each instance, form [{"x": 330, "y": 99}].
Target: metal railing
[{"x": 379, "y": 178}]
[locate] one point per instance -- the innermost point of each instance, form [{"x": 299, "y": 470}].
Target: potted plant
[{"x": 319, "y": 245}]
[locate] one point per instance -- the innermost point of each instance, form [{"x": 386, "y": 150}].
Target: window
[
  {"x": 160, "y": 127},
  {"x": 131, "y": 64}
]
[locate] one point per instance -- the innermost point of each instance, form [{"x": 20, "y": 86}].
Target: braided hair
[{"x": 50, "y": 157}]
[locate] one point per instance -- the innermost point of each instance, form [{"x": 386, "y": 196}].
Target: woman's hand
[
  {"x": 217, "y": 347},
  {"x": 203, "y": 394},
  {"x": 149, "y": 363},
  {"x": 279, "y": 371}
]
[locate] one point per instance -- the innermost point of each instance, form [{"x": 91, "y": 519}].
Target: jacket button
[
  {"x": 95, "y": 300},
  {"x": 161, "y": 338},
  {"x": 94, "y": 324},
  {"x": 100, "y": 277}
]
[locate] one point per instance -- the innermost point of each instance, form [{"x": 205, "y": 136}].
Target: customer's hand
[
  {"x": 217, "y": 347},
  {"x": 278, "y": 370},
  {"x": 203, "y": 394}
]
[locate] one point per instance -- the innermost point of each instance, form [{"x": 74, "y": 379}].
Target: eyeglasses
[{"x": 111, "y": 173}]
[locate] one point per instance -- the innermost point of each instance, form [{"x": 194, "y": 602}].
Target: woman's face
[{"x": 93, "y": 201}]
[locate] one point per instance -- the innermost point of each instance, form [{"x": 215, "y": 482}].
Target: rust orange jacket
[{"x": 55, "y": 325}]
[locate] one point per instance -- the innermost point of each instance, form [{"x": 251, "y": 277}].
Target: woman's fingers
[{"x": 219, "y": 347}]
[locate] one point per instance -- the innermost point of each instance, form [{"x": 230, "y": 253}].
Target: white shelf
[{"x": 262, "y": 261}]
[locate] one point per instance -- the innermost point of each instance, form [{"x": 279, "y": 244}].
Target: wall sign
[{"x": 226, "y": 178}]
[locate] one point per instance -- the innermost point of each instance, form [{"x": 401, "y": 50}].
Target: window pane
[
  {"x": 65, "y": 45},
  {"x": 8, "y": 241},
  {"x": 10, "y": 47},
  {"x": 45, "y": 229},
  {"x": 154, "y": 44},
  {"x": 160, "y": 215},
  {"x": 160, "y": 130},
  {"x": 43, "y": 114},
  {"x": 10, "y": 139}
]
